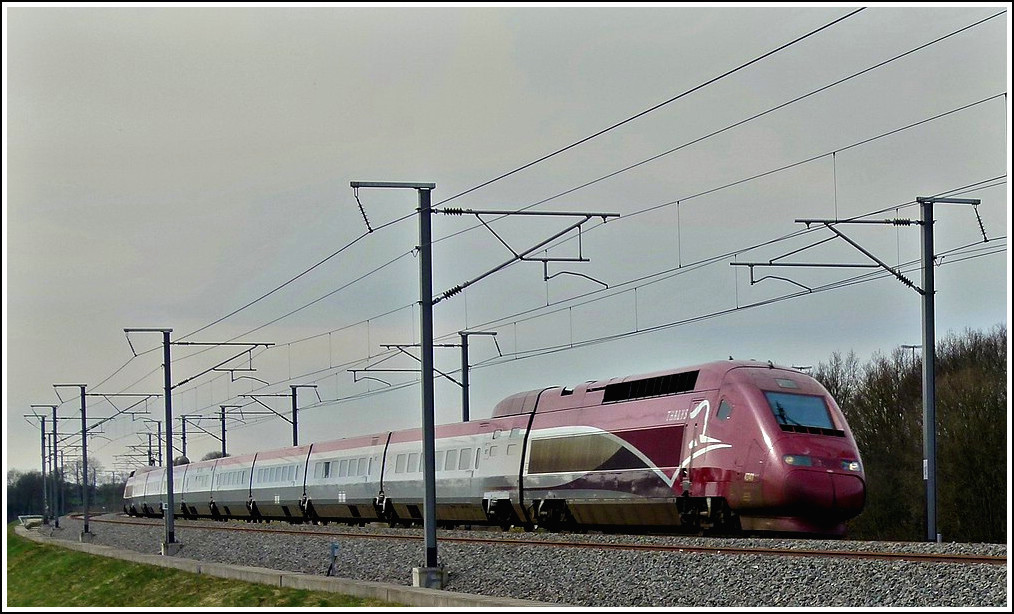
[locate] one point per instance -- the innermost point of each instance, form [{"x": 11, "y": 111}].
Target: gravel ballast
[{"x": 597, "y": 578}]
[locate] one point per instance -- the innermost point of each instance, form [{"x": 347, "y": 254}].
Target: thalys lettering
[
  {"x": 724, "y": 447},
  {"x": 677, "y": 415}
]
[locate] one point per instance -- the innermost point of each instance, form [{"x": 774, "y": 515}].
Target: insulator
[
  {"x": 453, "y": 291},
  {"x": 453, "y": 211}
]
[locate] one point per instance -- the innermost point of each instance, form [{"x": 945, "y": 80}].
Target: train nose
[{"x": 825, "y": 492}]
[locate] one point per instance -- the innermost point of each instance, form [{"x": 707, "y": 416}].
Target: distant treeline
[
  {"x": 882, "y": 401},
  {"x": 24, "y": 495}
]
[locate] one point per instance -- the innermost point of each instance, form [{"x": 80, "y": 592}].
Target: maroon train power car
[{"x": 724, "y": 447}]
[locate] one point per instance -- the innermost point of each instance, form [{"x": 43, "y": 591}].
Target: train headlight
[
  {"x": 797, "y": 461},
  {"x": 850, "y": 465}
]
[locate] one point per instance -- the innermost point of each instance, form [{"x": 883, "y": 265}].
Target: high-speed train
[{"x": 723, "y": 447}]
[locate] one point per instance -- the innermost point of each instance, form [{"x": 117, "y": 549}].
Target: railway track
[{"x": 921, "y": 557}]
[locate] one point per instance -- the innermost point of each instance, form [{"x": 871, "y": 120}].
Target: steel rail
[{"x": 921, "y": 557}]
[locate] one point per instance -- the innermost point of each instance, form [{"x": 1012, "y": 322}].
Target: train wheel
[
  {"x": 724, "y": 520},
  {"x": 501, "y": 514},
  {"x": 553, "y": 516},
  {"x": 391, "y": 517},
  {"x": 504, "y": 515}
]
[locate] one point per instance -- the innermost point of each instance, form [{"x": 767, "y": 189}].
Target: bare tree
[{"x": 882, "y": 401}]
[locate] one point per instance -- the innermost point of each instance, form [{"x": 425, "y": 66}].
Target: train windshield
[{"x": 799, "y": 410}]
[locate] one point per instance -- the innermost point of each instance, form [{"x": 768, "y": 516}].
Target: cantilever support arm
[
  {"x": 908, "y": 282},
  {"x": 517, "y": 256},
  {"x": 193, "y": 419},
  {"x": 271, "y": 409},
  {"x": 416, "y": 358}
]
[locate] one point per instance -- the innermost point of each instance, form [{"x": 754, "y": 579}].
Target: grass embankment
[{"x": 49, "y": 576}]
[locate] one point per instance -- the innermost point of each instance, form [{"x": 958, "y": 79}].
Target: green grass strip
[{"x": 39, "y": 575}]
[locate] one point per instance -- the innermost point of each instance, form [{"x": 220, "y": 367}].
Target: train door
[
  {"x": 482, "y": 473},
  {"x": 697, "y": 424}
]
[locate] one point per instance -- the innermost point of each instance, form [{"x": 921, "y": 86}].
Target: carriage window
[
  {"x": 515, "y": 432},
  {"x": 452, "y": 460},
  {"x": 477, "y": 452},
  {"x": 369, "y": 469},
  {"x": 343, "y": 468},
  {"x": 361, "y": 469},
  {"x": 497, "y": 434},
  {"x": 464, "y": 459},
  {"x": 492, "y": 451},
  {"x": 724, "y": 411},
  {"x": 413, "y": 462},
  {"x": 399, "y": 464},
  {"x": 438, "y": 461},
  {"x": 512, "y": 449}
]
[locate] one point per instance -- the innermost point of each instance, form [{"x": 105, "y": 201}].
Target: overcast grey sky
[{"x": 165, "y": 167}]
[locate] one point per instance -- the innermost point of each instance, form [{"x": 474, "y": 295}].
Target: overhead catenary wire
[
  {"x": 700, "y": 264},
  {"x": 987, "y": 251},
  {"x": 650, "y": 109},
  {"x": 738, "y": 123},
  {"x": 872, "y": 276},
  {"x": 678, "y": 201},
  {"x": 299, "y": 275},
  {"x": 741, "y": 122},
  {"x": 237, "y": 311},
  {"x": 619, "y": 288},
  {"x": 622, "y": 287},
  {"x": 976, "y": 251},
  {"x": 251, "y": 303},
  {"x": 682, "y": 199}
]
